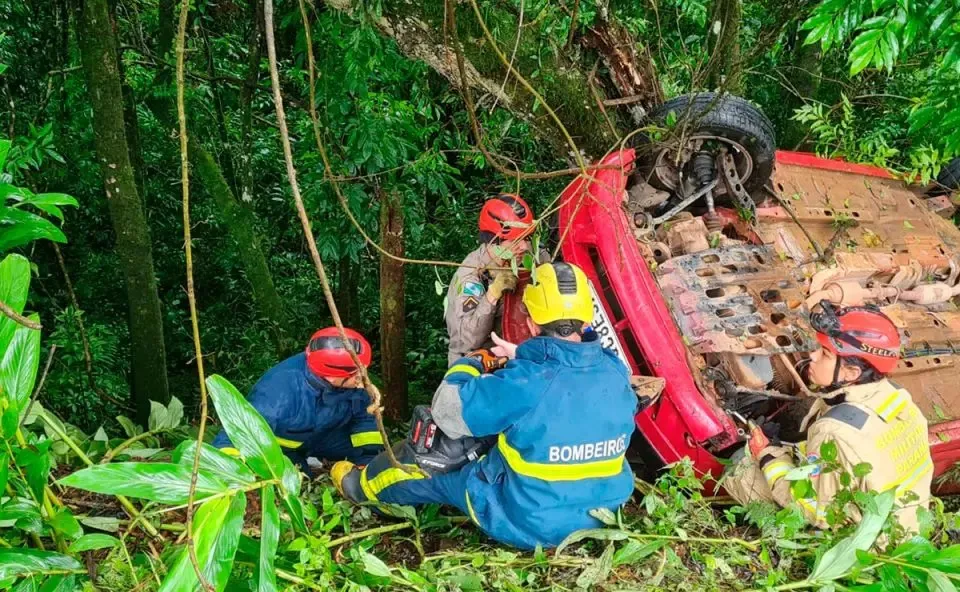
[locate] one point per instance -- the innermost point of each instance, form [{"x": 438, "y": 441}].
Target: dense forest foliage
[{"x": 423, "y": 110}]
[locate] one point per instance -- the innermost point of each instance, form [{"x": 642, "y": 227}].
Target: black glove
[{"x": 771, "y": 430}]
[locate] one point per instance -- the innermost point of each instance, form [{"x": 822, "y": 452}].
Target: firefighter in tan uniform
[
  {"x": 473, "y": 298},
  {"x": 872, "y": 420}
]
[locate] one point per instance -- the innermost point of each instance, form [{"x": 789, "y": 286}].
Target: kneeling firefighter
[
  {"x": 872, "y": 420},
  {"x": 560, "y": 411}
]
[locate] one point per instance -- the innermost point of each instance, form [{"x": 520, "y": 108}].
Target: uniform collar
[
  {"x": 318, "y": 384},
  {"x": 567, "y": 353}
]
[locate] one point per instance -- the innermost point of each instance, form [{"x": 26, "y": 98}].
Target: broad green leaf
[
  {"x": 129, "y": 428},
  {"x": 35, "y": 463},
  {"x": 290, "y": 477},
  {"x": 18, "y": 367},
  {"x": 604, "y": 515},
  {"x": 64, "y": 523},
  {"x": 947, "y": 560},
  {"x": 51, "y": 202},
  {"x": 634, "y": 551},
  {"x": 294, "y": 507},
  {"x": 158, "y": 417},
  {"x": 598, "y": 571},
  {"x": 4, "y": 144},
  {"x": 107, "y": 523},
  {"x": 14, "y": 285},
  {"x": 174, "y": 413},
  {"x": 840, "y": 559},
  {"x": 373, "y": 565},
  {"x": 59, "y": 583},
  {"x": 26, "y": 585},
  {"x": 159, "y": 482},
  {"x": 828, "y": 452},
  {"x": 600, "y": 534},
  {"x": 228, "y": 468},
  {"x": 269, "y": 536},
  {"x": 18, "y": 508},
  {"x": 11, "y": 191},
  {"x": 938, "y": 582},
  {"x": 216, "y": 531},
  {"x": 247, "y": 429},
  {"x": 4, "y": 470},
  {"x": 23, "y": 562},
  {"x": 92, "y": 542},
  {"x": 19, "y": 227}
]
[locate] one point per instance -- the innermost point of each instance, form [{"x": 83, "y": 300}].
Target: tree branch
[{"x": 18, "y": 318}]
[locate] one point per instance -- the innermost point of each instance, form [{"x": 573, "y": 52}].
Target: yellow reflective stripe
[
  {"x": 289, "y": 443},
  {"x": 892, "y": 405},
  {"x": 230, "y": 451},
  {"x": 473, "y": 515},
  {"x": 558, "y": 472},
  {"x": 365, "y": 439},
  {"x": 810, "y": 505},
  {"x": 776, "y": 470},
  {"x": 384, "y": 479},
  {"x": 462, "y": 368},
  {"x": 907, "y": 483}
]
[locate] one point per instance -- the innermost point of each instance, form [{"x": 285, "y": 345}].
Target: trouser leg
[{"x": 744, "y": 481}]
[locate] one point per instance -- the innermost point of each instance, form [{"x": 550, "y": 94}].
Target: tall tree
[
  {"x": 393, "y": 326},
  {"x": 98, "y": 47},
  {"x": 723, "y": 69}
]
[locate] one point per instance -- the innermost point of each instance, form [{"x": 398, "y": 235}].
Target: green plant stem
[
  {"x": 283, "y": 575},
  {"x": 365, "y": 533},
  {"x": 752, "y": 546},
  {"x": 4, "y": 543},
  {"x": 126, "y": 444},
  {"x": 124, "y": 501}
]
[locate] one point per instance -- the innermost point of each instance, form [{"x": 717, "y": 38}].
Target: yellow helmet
[{"x": 561, "y": 293}]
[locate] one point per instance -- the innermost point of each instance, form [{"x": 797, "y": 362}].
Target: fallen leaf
[{"x": 907, "y": 225}]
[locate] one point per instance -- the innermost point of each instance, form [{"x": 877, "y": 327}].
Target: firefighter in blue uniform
[
  {"x": 561, "y": 414},
  {"x": 313, "y": 404}
]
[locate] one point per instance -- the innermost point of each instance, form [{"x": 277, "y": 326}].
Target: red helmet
[
  {"x": 328, "y": 358},
  {"x": 859, "y": 332},
  {"x": 505, "y": 217}
]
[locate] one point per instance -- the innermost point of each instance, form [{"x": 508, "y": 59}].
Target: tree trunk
[
  {"x": 148, "y": 359},
  {"x": 393, "y": 326},
  {"x": 242, "y": 228},
  {"x": 723, "y": 70},
  {"x": 348, "y": 286},
  {"x": 805, "y": 78}
]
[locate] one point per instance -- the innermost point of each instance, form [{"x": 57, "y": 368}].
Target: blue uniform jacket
[
  {"x": 312, "y": 418},
  {"x": 563, "y": 412}
]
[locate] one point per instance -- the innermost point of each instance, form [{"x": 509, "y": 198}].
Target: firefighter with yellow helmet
[
  {"x": 869, "y": 419},
  {"x": 559, "y": 412}
]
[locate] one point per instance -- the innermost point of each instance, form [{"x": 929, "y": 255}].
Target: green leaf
[
  {"x": 92, "y": 542},
  {"x": 14, "y": 286},
  {"x": 59, "y": 583},
  {"x": 129, "y": 428},
  {"x": 861, "y": 470},
  {"x": 840, "y": 559},
  {"x": 600, "y": 534},
  {"x": 597, "y": 572},
  {"x": 167, "y": 483},
  {"x": 64, "y": 523},
  {"x": 18, "y": 367},
  {"x": 938, "y": 582},
  {"x": 18, "y": 508},
  {"x": 373, "y": 565},
  {"x": 36, "y": 464},
  {"x": 247, "y": 429},
  {"x": 158, "y": 416},
  {"x": 107, "y": 523},
  {"x": 604, "y": 515},
  {"x": 828, "y": 452},
  {"x": 294, "y": 507},
  {"x": 216, "y": 531},
  {"x": 224, "y": 466},
  {"x": 269, "y": 536},
  {"x": 634, "y": 551},
  {"x": 19, "y": 227},
  {"x": 23, "y": 562},
  {"x": 4, "y": 144},
  {"x": 4, "y": 470}
]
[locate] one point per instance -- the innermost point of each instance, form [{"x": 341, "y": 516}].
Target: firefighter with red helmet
[
  {"x": 314, "y": 402},
  {"x": 473, "y": 298},
  {"x": 869, "y": 419}
]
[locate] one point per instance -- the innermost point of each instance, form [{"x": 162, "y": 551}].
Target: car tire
[
  {"x": 723, "y": 116},
  {"x": 949, "y": 178}
]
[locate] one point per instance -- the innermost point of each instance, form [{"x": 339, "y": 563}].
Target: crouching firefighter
[
  {"x": 560, "y": 411},
  {"x": 872, "y": 420},
  {"x": 313, "y": 403}
]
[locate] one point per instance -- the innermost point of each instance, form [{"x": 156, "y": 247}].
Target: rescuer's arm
[
  {"x": 365, "y": 438},
  {"x": 470, "y": 403},
  {"x": 470, "y": 314}
]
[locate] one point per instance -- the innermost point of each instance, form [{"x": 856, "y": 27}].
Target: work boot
[{"x": 346, "y": 478}]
